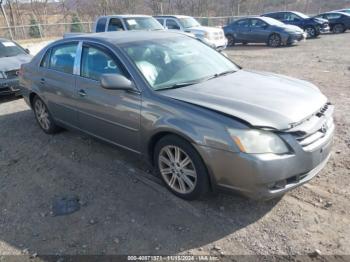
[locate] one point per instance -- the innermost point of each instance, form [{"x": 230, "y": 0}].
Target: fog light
[{"x": 279, "y": 185}]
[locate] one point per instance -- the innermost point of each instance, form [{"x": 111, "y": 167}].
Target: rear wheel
[
  {"x": 274, "y": 40},
  {"x": 311, "y": 32},
  {"x": 43, "y": 117},
  {"x": 338, "y": 28},
  {"x": 181, "y": 168},
  {"x": 230, "y": 40}
]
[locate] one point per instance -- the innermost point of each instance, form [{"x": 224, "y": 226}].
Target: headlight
[
  {"x": 253, "y": 141},
  {"x": 207, "y": 35}
]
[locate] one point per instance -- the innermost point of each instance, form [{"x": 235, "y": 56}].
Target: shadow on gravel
[
  {"x": 120, "y": 212},
  {"x": 256, "y": 47},
  {"x": 8, "y": 98}
]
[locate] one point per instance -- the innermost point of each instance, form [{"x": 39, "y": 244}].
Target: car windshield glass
[
  {"x": 142, "y": 23},
  {"x": 272, "y": 21},
  {"x": 189, "y": 22},
  {"x": 177, "y": 61},
  {"x": 302, "y": 15},
  {"x": 9, "y": 48}
]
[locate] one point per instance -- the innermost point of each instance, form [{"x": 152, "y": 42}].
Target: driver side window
[
  {"x": 257, "y": 23},
  {"x": 291, "y": 17},
  {"x": 95, "y": 63}
]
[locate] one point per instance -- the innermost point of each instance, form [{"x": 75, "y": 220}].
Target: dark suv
[{"x": 313, "y": 26}]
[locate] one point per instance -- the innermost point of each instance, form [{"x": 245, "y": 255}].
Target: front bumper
[
  {"x": 219, "y": 44},
  {"x": 294, "y": 38},
  {"x": 266, "y": 176},
  {"x": 324, "y": 30},
  {"x": 9, "y": 86}
]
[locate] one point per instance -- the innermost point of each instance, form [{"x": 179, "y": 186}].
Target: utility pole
[{"x": 6, "y": 20}]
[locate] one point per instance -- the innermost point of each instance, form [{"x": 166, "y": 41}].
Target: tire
[
  {"x": 338, "y": 29},
  {"x": 230, "y": 40},
  {"x": 274, "y": 40},
  {"x": 190, "y": 181},
  {"x": 43, "y": 117},
  {"x": 311, "y": 32}
]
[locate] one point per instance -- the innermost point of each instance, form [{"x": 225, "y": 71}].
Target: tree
[
  {"x": 76, "y": 24},
  {"x": 34, "y": 30}
]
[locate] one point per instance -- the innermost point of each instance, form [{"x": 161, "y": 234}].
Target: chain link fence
[{"x": 44, "y": 31}]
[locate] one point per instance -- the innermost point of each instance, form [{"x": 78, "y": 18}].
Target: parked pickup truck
[
  {"x": 212, "y": 36},
  {"x": 126, "y": 23}
]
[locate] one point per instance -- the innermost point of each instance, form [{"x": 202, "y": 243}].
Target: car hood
[
  {"x": 259, "y": 98},
  {"x": 290, "y": 28},
  {"x": 318, "y": 20},
  {"x": 13, "y": 62},
  {"x": 203, "y": 29}
]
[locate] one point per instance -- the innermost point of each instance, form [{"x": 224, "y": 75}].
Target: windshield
[
  {"x": 142, "y": 23},
  {"x": 272, "y": 21},
  {"x": 302, "y": 15},
  {"x": 189, "y": 22},
  {"x": 8, "y": 49},
  {"x": 177, "y": 61}
]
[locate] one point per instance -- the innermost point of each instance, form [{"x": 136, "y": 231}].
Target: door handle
[{"x": 82, "y": 93}]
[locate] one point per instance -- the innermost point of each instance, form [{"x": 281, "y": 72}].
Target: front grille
[
  {"x": 309, "y": 140},
  {"x": 12, "y": 74}
]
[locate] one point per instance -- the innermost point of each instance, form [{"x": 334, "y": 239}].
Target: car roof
[
  {"x": 336, "y": 12},
  {"x": 172, "y": 16},
  {"x": 121, "y": 37},
  {"x": 123, "y": 16}
]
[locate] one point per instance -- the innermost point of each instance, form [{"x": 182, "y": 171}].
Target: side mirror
[
  {"x": 116, "y": 82},
  {"x": 27, "y": 51}
]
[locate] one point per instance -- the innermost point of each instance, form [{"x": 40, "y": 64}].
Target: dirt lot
[{"x": 124, "y": 210}]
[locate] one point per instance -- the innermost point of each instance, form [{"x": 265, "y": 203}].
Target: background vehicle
[
  {"x": 12, "y": 56},
  {"x": 338, "y": 22},
  {"x": 262, "y": 30},
  {"x": 201, "y": 120},
  {"x": 343, "y": 11},
  {"x": 126, "y": 23},
  {"x": 211, "y": 35},
  {"x": 313, "y": 26}
]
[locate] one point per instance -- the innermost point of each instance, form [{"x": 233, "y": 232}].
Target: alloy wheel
[
  {"x": 338, "y": 29},
  {"x": 311, "y": 32},
  {"x": 42, "y": 115},
  {"x": 177, "y": 169},
  {"x": 274, "y": 40}
]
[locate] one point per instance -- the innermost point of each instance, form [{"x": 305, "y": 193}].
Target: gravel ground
[{"x": 124, "y": 209}]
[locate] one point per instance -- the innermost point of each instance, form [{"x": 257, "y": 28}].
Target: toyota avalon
[{"x": 202, "y": 121}]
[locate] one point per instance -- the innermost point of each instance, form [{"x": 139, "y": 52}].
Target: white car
[{"x": 212, "y": 36}]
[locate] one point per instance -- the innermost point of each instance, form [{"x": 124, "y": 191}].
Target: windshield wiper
[
  {"x": 179, "y": 85},
  {"x": 222, "y": 74}
]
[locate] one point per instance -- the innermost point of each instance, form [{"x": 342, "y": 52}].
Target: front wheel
[
  {"x": 43, "y": 117},
  {"x": 338, "y": 29},
  {"x": 181, "y": 168},
  {"x": 274, "y": 40},
  {"x": 311, "y": 32},
  {"x": 230, "y": 40}
]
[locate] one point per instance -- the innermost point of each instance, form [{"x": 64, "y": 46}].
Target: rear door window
[
  {"x": 172, "y": 24},
  {"x": 63, "y": 57},
  {"x": 101, "y": 25}
]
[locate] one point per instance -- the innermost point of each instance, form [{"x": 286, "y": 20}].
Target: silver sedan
[{"x": 203, "y": 122}]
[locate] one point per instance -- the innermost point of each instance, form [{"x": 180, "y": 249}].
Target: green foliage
[
  {"x": 34, "y": 30},
  {"x": 76, "y": 24}
]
